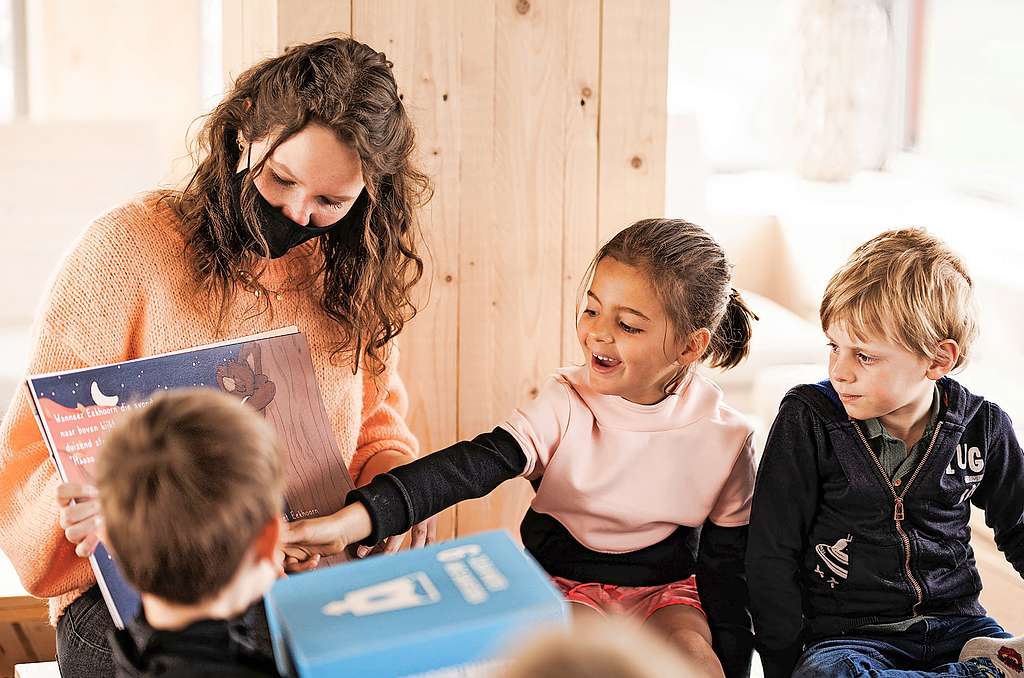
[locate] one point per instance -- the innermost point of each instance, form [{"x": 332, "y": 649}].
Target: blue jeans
[
  {"x": 83, "y": 649},
  {"x": 928, "y": 648}
]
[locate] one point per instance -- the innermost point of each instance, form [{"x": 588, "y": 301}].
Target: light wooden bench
[
  {"x": 25, "y": 631},
  {"x": 16, "y": 605},
  {"x": 37, "y": 670}
]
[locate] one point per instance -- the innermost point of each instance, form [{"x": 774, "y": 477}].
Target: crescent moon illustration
[{"x": 100, "y": 399}]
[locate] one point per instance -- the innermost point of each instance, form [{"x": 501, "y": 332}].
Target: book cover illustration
[{"x": 272, "y": 373}]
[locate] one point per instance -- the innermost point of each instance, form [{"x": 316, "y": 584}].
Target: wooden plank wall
[
  {"x": 427, "y": 70},
  {"x": 542, "y": 124}
]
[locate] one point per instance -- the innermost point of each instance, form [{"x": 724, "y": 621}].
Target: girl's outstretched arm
[
  {"x": 411, "y": 493},
  {"x": 394, "y": 501}
]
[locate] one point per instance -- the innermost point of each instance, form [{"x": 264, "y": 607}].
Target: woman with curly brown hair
[{"x": 300, "y": 212}]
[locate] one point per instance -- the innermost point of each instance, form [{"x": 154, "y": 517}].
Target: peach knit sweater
[{"x": 124, "y": 291}]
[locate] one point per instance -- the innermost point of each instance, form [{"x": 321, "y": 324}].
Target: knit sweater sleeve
[
  {"x": 86, "y": 319},
  {"x": 383, "y": 425},
  {"x": 30, "y": 534}
]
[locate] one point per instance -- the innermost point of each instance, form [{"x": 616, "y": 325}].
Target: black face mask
[{"x": 280, "y": 232}]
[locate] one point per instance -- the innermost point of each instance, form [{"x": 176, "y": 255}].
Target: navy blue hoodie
[{"x": 834, "y": 544}]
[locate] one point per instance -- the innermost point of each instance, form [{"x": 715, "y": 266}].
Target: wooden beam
[
  {"x": 579, "y": 241},
  {"x": 634, "y": 82},
  {"x": 310, "y": 20},
  {"x": 250, "y": 35},
  {"x": 421, "y": 39}
]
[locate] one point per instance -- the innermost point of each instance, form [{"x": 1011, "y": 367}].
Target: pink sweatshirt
[{"x": 621, "y": 476}]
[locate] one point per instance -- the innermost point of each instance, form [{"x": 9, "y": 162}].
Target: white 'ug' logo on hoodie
[{"x": 968, "y": 459}]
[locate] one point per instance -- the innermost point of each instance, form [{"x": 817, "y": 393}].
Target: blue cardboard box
[{"x": 451, "y": 604}]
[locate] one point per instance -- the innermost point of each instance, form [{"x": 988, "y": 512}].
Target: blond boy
[
  {"x": 859, "y": 560},
  {"x": 191, "y": 493}
]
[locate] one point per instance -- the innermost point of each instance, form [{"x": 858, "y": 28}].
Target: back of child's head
[
  {"x": 905, "y": 286},
  {"x": 693, "y": 280},
  {"x": 599, "y": 648},
  {"x": 187, "y": 483}
]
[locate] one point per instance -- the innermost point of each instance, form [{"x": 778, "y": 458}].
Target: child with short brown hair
[{"x": 191, "y": 492}]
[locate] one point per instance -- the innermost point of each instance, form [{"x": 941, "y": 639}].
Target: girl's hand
[
  {"x": 329, "y": 535},
  {"x": 292, "y": 559},
  {"x": 80, "y": 516},
  {"x": 422, "y": 534}
]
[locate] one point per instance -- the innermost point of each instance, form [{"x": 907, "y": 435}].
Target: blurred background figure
[{"x": 611, "y": 647}]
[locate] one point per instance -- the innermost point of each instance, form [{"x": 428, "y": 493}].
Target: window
[{"x": 971, "y": 121}]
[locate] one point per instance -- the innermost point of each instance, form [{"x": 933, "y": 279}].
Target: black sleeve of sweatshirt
[
  {"x": 1001, "y": 493},
  {"x": 722, "y": 585},
  {"x": 785, "y": 501},
  {"x": 411, "y": 493}
]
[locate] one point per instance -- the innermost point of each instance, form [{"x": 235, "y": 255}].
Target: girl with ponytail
[{"x": 643, "y": 474}]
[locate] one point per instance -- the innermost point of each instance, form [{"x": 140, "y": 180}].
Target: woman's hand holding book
[{"x": 80, "y": 516}]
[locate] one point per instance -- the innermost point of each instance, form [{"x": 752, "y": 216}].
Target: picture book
[{"x": 270, "y": 372}]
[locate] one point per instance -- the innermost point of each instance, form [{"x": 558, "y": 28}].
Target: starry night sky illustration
[{"x": 139, "y": 380}]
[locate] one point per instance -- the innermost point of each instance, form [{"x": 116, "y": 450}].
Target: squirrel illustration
[{"x": 244, "y": 379}]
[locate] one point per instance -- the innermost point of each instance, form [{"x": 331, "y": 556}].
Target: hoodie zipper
[{"x": 899, "y": 512}]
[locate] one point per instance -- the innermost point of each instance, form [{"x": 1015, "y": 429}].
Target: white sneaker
[{"x": 1006, "y": 653}]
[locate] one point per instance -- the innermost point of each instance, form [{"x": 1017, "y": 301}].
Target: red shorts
[{"x": 633, "y": 601}]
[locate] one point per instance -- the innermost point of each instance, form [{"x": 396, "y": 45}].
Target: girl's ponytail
[{"x": 731, "y": 341}]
